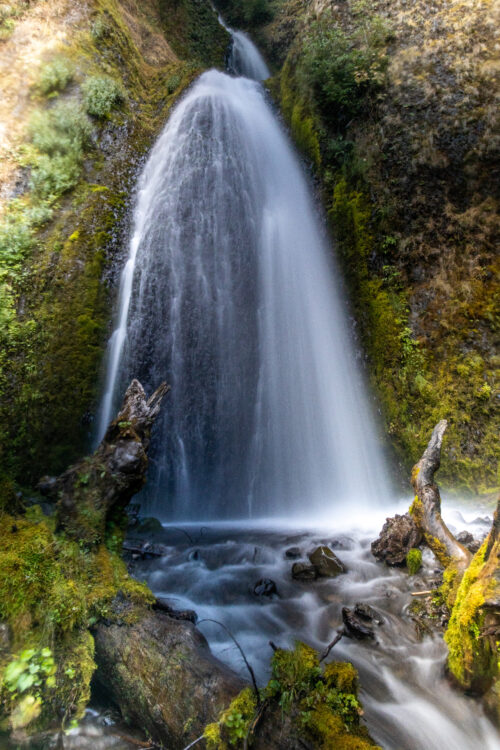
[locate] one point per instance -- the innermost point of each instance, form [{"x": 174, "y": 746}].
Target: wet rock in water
[
  {"x": 265, "y": 587},
  {"x": 148, "y": 526},
  {"x": 354, "y": 627},
  {"x": 292, "y": 552},
  {"x": 165, "y": 605},
  {"x": 326, "y": 562},
  {"x": 302, "y": 571},
  {"x": 48, "y": 486},
  {"x": 367, "y": 613},
  {"x": 159, "y": 671},
  {"x": 399, "y": 534},
  {"x": 344, "y": 542},
  {"x": 466, "y": 538}
]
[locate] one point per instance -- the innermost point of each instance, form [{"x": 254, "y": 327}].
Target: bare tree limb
[
  {"x": 248, "y": 666},
  {"x": 426, "y": 510},
  {"x": 337, "y": 638}
]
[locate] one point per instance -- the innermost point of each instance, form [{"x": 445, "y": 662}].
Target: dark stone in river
[
  {"x": 265, "y": 587},
  {"x": 165, "y": 605},
  {"x": 302, "y": 571},
  {"x": 354, "y": 627},
  {"x": 367, "y": 613},
  {"x": 399, "y": 534},
  {"x": 326, "y": 562},
  {"x": 148, "y": 526},
  {"x": 468, "y": 541},
  {"x": 293, "y": 552}
]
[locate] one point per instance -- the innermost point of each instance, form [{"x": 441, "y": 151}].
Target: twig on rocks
[
  {"x": 248, "y": 666},
  {"x": 194, "y": 742},
  {"x": 337, "y": 638}
]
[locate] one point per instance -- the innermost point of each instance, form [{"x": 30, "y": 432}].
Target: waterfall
[{"x": 230, "y": 294}]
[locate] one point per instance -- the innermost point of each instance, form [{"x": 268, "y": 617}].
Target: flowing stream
[
  {"x": 408, "y": 702},
  {"x": 229, "y": 293}
]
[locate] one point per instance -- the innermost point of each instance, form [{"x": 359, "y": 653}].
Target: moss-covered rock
[
  {"x": 161, "y": 674},
  {"x": 51, "y": 592},
  {"x": 473, "y": 634},
  {"x": 302, "y": 703}
]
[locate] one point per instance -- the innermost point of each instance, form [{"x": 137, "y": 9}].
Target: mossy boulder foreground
[
  {"x": 304, "y": 705},
  {"x": 69, "y": 607}
]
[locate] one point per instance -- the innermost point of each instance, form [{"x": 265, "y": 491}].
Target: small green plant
[
  {"x": 31, "y": 670},
  {"x": 55, "y": 76},
  {"x": 101, "y": 94},
  {"x": 173, "y": 83},
  {"x": 341, "y": 68},
  {"x": 414, "y": 561},
  {"x": 100, "y": 29}
]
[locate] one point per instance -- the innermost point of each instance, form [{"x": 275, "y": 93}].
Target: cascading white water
[
  {"x": 230, "y": 296},
  {"x": 245, "y": 58}
]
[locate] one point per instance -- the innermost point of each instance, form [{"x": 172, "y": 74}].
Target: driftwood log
[
  {"x": 426, "y": 509},
  {"x": 95, "y": 491}
]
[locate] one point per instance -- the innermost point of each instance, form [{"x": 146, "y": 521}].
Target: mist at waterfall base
[{"x": 229, "y": 295}]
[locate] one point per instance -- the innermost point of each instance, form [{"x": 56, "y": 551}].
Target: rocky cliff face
[
  {"x": 394, "y": 106},
  {"x": 85, "y": 89}
]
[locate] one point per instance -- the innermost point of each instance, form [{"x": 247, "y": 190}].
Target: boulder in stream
[
  {"x": 292, "y": 553},
  {"x": 159, "y": 671},
  {"x": 367, "y": 613},
  {"x": 302, "y": 571},
  {"x": 265, "y": 587},
  {"x": 354, "y": 627},
  {"x": 326, "y": 562},
  {"x": 466, "y": 538},
  {"x": 399, "y": 534}
]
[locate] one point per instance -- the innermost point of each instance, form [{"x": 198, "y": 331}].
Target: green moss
[
  {"x": 470, "y": 658},
  {"x": 321, "y": 705},
  {"x": 414, "y": 561},
  {"x": 51, "y": 591}
]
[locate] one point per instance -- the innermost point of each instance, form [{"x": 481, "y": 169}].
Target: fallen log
[{"x": 426, "y": 508}]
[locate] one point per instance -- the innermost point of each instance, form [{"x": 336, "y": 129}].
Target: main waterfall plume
[{"x": 229, "y": 295}]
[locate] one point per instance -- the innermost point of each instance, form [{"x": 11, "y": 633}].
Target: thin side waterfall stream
[{"x": 230, "y": 295}]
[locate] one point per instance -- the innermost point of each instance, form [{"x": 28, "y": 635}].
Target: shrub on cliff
[
  {"x": 59, "y": 136},
  {"x": 101, "y": 94},
  {"x": 341, "y": 67},
  {"x": 55, "y": 76}
]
